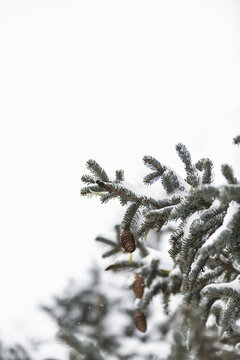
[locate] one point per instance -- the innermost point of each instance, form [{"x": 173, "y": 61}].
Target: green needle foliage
[
  {"x": 204, "y": 250},
  {"x": 84, "y": 316}
]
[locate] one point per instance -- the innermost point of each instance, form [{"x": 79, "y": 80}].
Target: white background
[{"x": 109, "y": 80}]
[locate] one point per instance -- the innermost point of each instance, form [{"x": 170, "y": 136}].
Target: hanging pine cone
[
  {"x": 138, "y": 286},
  {"x": 140, "y": 321},
  {"x": 127, "y": 241}
]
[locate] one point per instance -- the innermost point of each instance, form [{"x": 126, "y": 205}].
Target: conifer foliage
[
  {"x": 204, "y": 250},
  {"x": 87, "y": 318}
]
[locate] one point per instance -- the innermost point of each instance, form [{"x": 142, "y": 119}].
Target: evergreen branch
[
  {"x": 196, "y": 269},
  {"x": 174, "y": 200},
  {"x": 228, "y": 290},
  {"x": 234, "y": 219},
  {"x": 224, "y": 193},
  {"x": 157, "y": 168},
  {"x": 206, "y": 166},
  {"x": 123, "y": 193},
  {"x": 88, "y": 179},
  {"x": 216, "y": 243},
  {"x": 153, "y": 164},
  {"x": 148, "y": 201},
  {"x": 186, "y": 267},
  {"x": 123, "y": 265},
  {"x": 106, "y": 241},
  {"x": 175, "y": 278},
  {"x": 116, "y": 246},
  {"x": 96, "y": 170},
  {"x": 90, "y": 190},
  {"x": 228, "y": 265},
  {"x": 178, "y": 349},
  {"x": 119, "y": 174},
  {"x": 200, "y": 227},
  {"x": 216, "y": 310},
  {"x": 236, "y": 140},
  {"x": 151, "y": 178},
  {"x": 170, "y": 182},
  {"x": 224, "y": 235},
  {"x": 147, "y": 225},
  {"x": 228, "y": 193},
  {"x": 227, "y": 171},
  {"x": 205, "y": 248},
  {"x": 214, "y": 210},
  {"x": 106, "y": 197},
  {"x": 142, "y": 248},
  {"x": 192, "y": 176},
  {"x": 111, "y": 252},
  {"x": 207, "y": 192},
  {"x": 147, "y": 297},
  {"x": 118, "y": 233},
  {"x": 129, "y": 216},
  {"x": 195, "y": 286},
  {"x": 176, "y": 241},
  {"x": 166, "y": 295},
  {"x": 159, "y": 214},
  {"x": 146, "y": 271},
  {"x": 227, "y": 315},
  {"x": 153, "y": 272},
  {"x": 114, "y": 190},
  {"x": 191, "y": 203},
  {"x": 89, "y": 349}
]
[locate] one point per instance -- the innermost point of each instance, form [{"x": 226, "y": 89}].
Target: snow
[
  {"x": 136, "y": 303},
  {"x": 236, "y": 265},
  {"x": 211, "y": 321},
  {"x": 233, "y": 208},
  {"x": 188, "y": 223},
  {"x": 176, "y": 271},
  {"x": 166, "y": 262},
  {"x": 155, "y": 190},
  {"x": 216, "y": 203},
  {"x": 234, "y": 285}
]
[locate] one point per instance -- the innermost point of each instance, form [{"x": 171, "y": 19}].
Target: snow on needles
[{"x": 214, "y": 238}]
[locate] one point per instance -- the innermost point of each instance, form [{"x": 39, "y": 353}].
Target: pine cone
[
  {"x": 140, "y": 321},
  {"x": 127, "y": 241},
  {"x": 101, "y": 184},
  {"x": 138, "y": 286}
]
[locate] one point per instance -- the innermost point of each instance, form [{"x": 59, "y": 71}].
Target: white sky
[{"x": 109, "y": 80}]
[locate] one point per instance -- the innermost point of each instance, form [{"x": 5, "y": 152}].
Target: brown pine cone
[
  {"x": 101, "y": 184},
  {"x": 140, "y": 321},
  {"x": 127, "y": 241},
  {"x": 138, "y": 286}
]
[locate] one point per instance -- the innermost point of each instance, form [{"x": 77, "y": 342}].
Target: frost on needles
[{"x": 203, "y": 265}]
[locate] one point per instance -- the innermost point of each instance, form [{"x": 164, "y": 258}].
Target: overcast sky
[{"x": 109, "y": 80}]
